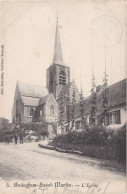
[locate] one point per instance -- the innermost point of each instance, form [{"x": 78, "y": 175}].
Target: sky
[{"x": 91, "y": 32}]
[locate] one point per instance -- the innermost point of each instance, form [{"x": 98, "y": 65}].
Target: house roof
[
  {"x": 3, "y": 119},
  {"x": 30, "y": 90},
  {"x": 116, "y": 96},
  {"x": 29, "y": 101},
  {"x": 43, "y": 100},
  {"x": 65, "y": 89},
  {"x": 117, "y": 93}
]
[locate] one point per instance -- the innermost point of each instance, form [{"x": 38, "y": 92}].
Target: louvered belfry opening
[{"x": 62, "y": 78}]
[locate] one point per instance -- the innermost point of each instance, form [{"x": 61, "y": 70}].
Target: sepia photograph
[{"x": 63, "y": 97}]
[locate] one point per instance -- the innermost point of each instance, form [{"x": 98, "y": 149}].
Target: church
[{"x": 33, "y": 103}]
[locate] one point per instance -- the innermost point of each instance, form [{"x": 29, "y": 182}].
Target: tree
[
  {"x": 68, "y": 109},
  {"x": 105, "y": 94},
  {"x": 82, "y": 110},
  {"x": 61, "y": 112},
  {"x": 93, "y": 107},
  {"x": 105, "y": 99},
  {"x": 73, "y": 110},
  {"x": 4, "y": 123}
]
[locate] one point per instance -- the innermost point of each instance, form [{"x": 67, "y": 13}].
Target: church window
[
  {"x": 52, "y": 110},
  {"x": 31, "y": 112},
  {"x": 40, "y": 113},
  {"x": 62, "y": 77}
]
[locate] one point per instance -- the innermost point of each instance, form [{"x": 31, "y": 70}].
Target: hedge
[{"x": 96, "y": 142}]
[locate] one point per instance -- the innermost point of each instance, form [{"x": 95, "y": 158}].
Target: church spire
[{"x": 57, "y": 58}]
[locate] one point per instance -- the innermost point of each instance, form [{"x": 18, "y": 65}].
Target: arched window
[
  {"x": 62, "y": 77},
  {"x": 40, "y": 113},
  {"x": 31, "y": 112},
  {"x": 52, "y": 110}
]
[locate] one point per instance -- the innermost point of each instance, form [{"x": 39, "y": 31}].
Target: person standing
[
  {"x": 16, "y": 138},
  {"x": 21, "y": 137},
  {"x": 7, "y": 139}
]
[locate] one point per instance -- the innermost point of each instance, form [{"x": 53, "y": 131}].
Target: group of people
[{"x": 16, "y": 136}]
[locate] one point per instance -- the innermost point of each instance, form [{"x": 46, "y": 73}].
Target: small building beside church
[{"x": 47, "y": 109}]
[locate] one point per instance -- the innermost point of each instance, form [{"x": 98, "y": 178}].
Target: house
[{"x": 116, "y": 114}]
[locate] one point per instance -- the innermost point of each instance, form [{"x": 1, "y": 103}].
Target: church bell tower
[{"x": 58, "y": 74}]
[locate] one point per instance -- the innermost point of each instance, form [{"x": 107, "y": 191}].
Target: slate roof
[
  {"x": 30, "y": 90},
  {"x": 65, "y": 89},
  {"x": 29, "y": 101},
  {"x": 43, "y": 100},
  {"x": 57, "y": 58},
  {"x": 116, "y": 93}
]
